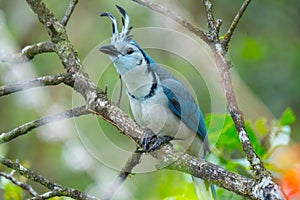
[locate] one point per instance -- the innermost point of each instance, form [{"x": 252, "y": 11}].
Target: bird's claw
[{"x": 151, "y": 141}]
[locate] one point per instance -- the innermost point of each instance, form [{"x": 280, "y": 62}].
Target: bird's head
[{"x": 123, "y": 51}]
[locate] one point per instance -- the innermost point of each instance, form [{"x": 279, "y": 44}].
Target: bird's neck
[{"x": 140, "y": 82}]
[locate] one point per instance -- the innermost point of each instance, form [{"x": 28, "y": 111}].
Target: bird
[{"x": 158, "y": 100}]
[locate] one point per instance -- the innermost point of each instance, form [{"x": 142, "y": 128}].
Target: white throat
[{"x": 138, "y": 81}]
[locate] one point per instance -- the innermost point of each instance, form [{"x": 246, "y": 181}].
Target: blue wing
[
  {"x": 182, "y": 103},
  {"x": 180, "y": 100}
]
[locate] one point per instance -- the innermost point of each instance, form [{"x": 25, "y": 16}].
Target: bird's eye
[{"x": 130, "y": 51}]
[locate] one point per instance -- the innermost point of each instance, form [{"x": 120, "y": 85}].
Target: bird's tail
[{"x": 204, "y": 190}]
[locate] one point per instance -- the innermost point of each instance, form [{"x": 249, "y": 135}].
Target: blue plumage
[
  {"x": 180, "y": 101},
  {"x": 158, "y": 100}
]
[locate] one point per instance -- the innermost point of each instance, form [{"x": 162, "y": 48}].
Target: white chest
[{"x": 154, "y": 113}]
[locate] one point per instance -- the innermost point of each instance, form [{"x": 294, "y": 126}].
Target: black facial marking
[{"x": 130, "y": 51}]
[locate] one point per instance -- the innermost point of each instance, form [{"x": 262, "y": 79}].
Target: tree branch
[
  {"x": 223, "y": 65},
  {"x": 28, "y": 52},
  {"x": 213, "y": 25},
  {"x": 22, "y": 185},
  {"x": 166, "y": 155},
  {"x": 133, "y": 161},
  {"x": 37, "y": 82},
  {"x": 238, "y": 16},
  {"x": 180, "y": 20},
  {"x": 55, "y": 188},
  {"x": 25, "y": 128},
  {"x": 270, "y": 189},
  {"x": 58, "y": 35},
  {"x": 69, "y": 12}
]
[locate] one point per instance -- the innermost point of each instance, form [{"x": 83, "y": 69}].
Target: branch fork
[{"x": 261, "y": 186}]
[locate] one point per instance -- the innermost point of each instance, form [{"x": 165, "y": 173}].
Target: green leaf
[
  {"x": 288, "y": 117},
  {"x": 228, "y": 195},
  {"x": 11, "y": 191},
  {"x": 261, "y": 126},
  {"x": 175, "y": 185},
  {"x": 222, "y": 133},
  {"x": 255, "y": 140}
]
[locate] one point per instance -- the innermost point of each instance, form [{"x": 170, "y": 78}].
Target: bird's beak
[{"x": 110, "y": 50}]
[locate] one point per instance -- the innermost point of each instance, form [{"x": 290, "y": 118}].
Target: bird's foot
[{"x": 151, "y": 141}]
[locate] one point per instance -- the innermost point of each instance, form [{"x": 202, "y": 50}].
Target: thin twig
[
  {"x": 69, "y": 12},
  {"x": 133, "y": 161},
  {"x": 65, "y": 192},
  {"x": 213, "y": 26},
  {"x": 261, "y": 174},
  {"x": 24, "y": 186},
  {"x": 238, "y": 16},
  {"x": 238, "y": 118},
  {"x": 58, "y": 35},
  {"x": 121, "y": 91},
  {"x": 25, "y": 128},
  {"x": 55, "y": 188},
  {"x": 185, "y": 23},
  {"x": 37, "y": 82},
  {"x": 28, "y": 53},
  {"x": 223, "y": 66}
]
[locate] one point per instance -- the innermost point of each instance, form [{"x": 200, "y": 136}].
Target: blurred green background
[{"x": 265, "y": 52}]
